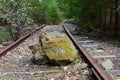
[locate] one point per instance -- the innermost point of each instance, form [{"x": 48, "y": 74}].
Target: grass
[{"x": 4, "y": 35}]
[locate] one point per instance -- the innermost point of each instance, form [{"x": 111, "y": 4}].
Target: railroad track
[
  {"x": 95, "y": 67},
  {"x": 97, "y": 70},
  {"x": 104, "y": 66},
  {"x": 19, "y": 41}
]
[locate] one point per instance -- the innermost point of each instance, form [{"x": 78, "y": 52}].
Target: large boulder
[{"x": 58, "y": 48}]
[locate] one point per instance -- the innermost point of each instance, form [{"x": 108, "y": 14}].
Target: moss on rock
[
  {"x": 54, "y": 48},
  {"x": 58, "y": 47}
]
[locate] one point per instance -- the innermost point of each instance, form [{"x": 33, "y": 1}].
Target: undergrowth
[{"x": 4, "y": 35}]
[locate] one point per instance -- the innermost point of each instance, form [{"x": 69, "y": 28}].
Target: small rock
[
  {"x": 107, "y": 64},
  {"x": 1, "y": 46},
  {"x": 83, "y": 65},
  {"x": 31, "y": 73},
  {"x": 118, "y": 49},
  {"x": 66, "y": 67}
]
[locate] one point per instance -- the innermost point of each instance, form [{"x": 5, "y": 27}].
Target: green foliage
[
  {"x": 118, "y": 9},
  {"x": 4, "y": 35},
  {"x": 44, "y": 11},
  {"x": 64, "y": 8},
  {"x": 85, "y": 11},
  {"x": 52, "y": 13},
  {"x": 15, "y": 12},
  {"x": 86, "y": 27},
  {"x": 7, "y": 77}
]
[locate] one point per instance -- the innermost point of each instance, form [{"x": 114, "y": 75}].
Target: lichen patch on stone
[{"x": 57, "y": 47}]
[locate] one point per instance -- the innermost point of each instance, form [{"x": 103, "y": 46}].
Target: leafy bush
[
  {"x": 44, "y": 11},
  {"x": 89, "y": 13},
  {"x": 15, "y": 14},
  {"x": 4, "y": 35},
  {"x": 52, "y": 14}
]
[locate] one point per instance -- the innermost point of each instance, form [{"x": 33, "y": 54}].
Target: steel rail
[
  {"x": 91, "y": 61},
  {"x": 19, "y": 41},
  {"x": 96, "y": 74}
]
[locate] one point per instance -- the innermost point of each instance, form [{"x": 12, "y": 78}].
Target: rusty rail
[
  {"x": 96, "y": 68},
  {"x": 16, "y": 43}
]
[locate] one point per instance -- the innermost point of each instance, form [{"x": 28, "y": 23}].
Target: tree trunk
[
  {"x": 111, "y": 17},
  {"x": 105, "y": 19},
  {"x": 116, "y": 18},
  {"x": 100, "y": 19}
]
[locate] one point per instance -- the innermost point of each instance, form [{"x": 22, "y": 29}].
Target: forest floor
[{"x": 17, "y": 64}]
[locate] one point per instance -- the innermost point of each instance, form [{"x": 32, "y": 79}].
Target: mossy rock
[{"x": 58, "y": 48}]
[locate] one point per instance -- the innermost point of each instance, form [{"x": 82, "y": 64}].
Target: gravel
[{"x": 17, "y": 64}]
